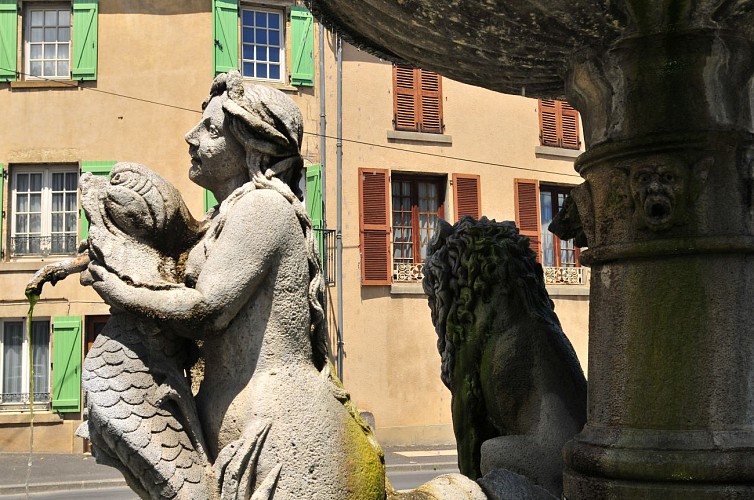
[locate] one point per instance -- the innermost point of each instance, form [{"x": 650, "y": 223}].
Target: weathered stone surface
[
  {"x": 516, "y": 47},
  {"x": 270, "y": 419},
  {"x": 518, "y": 390},
  {"x": 444, "y": 487},
  {"x": 501, "y": 484}
]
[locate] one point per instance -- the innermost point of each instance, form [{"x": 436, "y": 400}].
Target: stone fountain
[{"x": 665, "y": 92}]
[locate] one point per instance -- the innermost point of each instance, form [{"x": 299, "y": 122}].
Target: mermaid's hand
[{"x": 236, "y": 466}]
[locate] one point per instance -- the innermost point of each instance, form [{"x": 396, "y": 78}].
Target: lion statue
[{"x": 518, "y": 391}]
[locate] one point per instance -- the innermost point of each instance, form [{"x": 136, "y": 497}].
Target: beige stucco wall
[
  {"x": 392, "y": 365},
  {"x": 145, "y": 53}
]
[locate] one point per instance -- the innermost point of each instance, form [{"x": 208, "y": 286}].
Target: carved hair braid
[{"x": 269, "y": 126}]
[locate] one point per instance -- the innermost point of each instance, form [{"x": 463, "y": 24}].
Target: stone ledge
[
  {"x": 44, "y": 84},
  {"x": 400, "y": 288},
  {"x": 561, "y": 152},
  {"x": 24, "y": 418},
  {"x": 419, "y": 137},
  {"x": 567, "y": 290}
]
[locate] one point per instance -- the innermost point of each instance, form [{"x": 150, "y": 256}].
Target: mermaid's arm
[
  {"x": 58, "y": 270},
  {"x": 245, "y": 251}
]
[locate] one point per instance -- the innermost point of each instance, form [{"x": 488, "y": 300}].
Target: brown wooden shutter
[
  {"x": 430, "y": 93},
  {"x": 467, "y": 195},
  {"x": 405, "y": 113},
  {"x": 549, "y": 122},
  {"x": 569, "y": 119},
  {"x": 527, "y": 212},
  {"x": 374, "y": 226}
]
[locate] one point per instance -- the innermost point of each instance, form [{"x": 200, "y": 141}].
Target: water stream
[{"x": 33, "y": 298}]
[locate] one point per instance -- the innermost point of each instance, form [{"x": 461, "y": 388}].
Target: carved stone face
[
  {"x": 216, "y": 156},
  {"x": 659, "y": 190}
]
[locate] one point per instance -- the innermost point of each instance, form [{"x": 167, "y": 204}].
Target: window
[
  {"x": 262, "y": 44},
  {"x": 47, "y": 40},
  {"x": 260, "y": 53},
  {"x": 417, "y": 100},
  {"x": 558, "y": 124},
  {"x": 14, "y": 385},
  {"x": 398, "y": 217},
  {"x": 44, "y": 208},
  {"x": 536, "y": 205},
  {"x": 417, "y": 204},
  {"x": 58, "y": 40}
]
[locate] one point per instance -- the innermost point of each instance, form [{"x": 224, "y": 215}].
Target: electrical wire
[{"x": 314, "y": 134}]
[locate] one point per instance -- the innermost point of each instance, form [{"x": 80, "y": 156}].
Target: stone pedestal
[{"x": 668, "y": 209}]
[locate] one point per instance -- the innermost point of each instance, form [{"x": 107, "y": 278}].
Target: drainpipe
[
  {"x": 339, "y": 190},
  {"x": 322, "y": 123}
]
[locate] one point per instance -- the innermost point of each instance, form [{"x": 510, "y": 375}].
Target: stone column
[{"x": 668, "y": 210}]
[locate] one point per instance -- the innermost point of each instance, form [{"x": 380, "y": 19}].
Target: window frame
[
  {"x": 554, "y": 191},
  {"x": 282, "y": 9},
  {"x": 45, "y": 400},
  {"x": 47, "y": 170},
  {"x": 440, "y": 181},
  {"x": 27, "y": 7},
  {"x": 558, "y": 125},
  {"x": 417, "y": 94}
]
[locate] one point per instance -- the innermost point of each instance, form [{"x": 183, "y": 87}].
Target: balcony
[
  {"x": 19, "y": 401},
  {"x": 566, "y": 275},
  {"x": 24, "y": 246},
  {"x": 408, "y": 272}
]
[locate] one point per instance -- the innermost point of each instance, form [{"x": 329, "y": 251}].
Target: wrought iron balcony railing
[
  {"x": 327, "y": 254},
  {"x": 21, "y": 246},
  {"x": 408, "y": 272},
  {"x": 19, "y": 401},
  {"x": 566, "y": 275}
]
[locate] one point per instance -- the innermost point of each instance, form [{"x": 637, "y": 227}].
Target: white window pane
[
  {"x": 36, "y": 182},
  {"x": 36, "y": 68},
  {"x": 36, "y": 202},
  {"x": 22, "y": 203},
  {"x": 63, "y": 51},
  {"x": 70, "y": 223},
  {"x": 35, "y": 51},
  {"x": 57, "y": 202},
  {"x": 51, "y": 34},
  {"x": 71, "y": 181},
  {"x": 35, "y": 223},
  {"x": 22, "y": 181},
  {"x": 40, "y": 341},
  {"x": 37, "y": 17},
  {"x": 12, "y": 345},
  {"x": 62, "y": 68},
  {"x": 22, "y": 223},
  {"x": 57, "y": 223},
  {"x": 51, "y": 18},
  {"x": 70, "y": 202},
  {"x": 50, "y": 51},
  {"x": 64, "y": 34},
  {"x": 64, "y": 18},
  {"x": 49, "y": 68},
  {"x": 37, "y": 34},
  {"x": 58, "y": 181}
]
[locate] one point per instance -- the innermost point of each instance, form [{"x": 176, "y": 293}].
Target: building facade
[{"x": 86, "y": 83}]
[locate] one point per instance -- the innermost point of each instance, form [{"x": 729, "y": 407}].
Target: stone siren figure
[{"x": 270, "y": 418}]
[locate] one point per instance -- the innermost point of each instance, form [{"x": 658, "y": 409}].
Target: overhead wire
[{"x": 315, "y": 134}]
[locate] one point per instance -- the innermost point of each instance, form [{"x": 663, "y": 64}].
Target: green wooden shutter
[
  {"x": 225, "y": 29},
  {"x": 84, "y": 40},
  {"x": 66, "y": 364},
  {"x": 302, "y": 47},
  {"x": 209, "y": 200},
  {"x": 314, "y": 205},
  {"x": 8, "y": 39},
  {"x": 2, "y": 210},
  {"x": 96, "y": 168}
]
